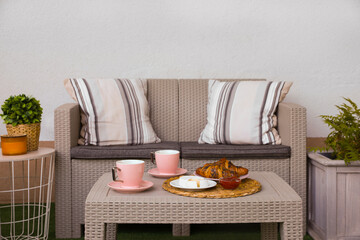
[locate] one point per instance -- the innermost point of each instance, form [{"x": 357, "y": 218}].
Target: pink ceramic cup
[
  {"x": 130, "y": 173},
  {"x": 167, "y": 161}
]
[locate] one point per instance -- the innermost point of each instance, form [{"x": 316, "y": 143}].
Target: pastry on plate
[{"x": 221, "y": 168}]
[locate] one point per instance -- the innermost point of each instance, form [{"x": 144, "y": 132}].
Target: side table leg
[
  {"x": 269, "y": 231},
  {"x": 181, "y": 230},
  {"x": 111, "y": 231},
  {"x": 94, "y": 231}
]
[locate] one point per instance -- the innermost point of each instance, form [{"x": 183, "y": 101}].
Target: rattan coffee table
[{"x": 276, "y": 203}]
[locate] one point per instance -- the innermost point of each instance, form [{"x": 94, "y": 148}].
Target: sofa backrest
[
  {"x": 193, "y": 98},
  {"x": 192, "y": 108},
  {"x": 178, "y": 107},
  {"x": 163, "y": 97}
]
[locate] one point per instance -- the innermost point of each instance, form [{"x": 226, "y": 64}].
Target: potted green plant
[
  {"x": 334, "y": 176},
  {"x": 22, "y": 115}
]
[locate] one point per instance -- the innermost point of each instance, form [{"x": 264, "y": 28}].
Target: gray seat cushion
[
  {"x": 120, "y": 151},
  {"x": 194, "y": 150}
]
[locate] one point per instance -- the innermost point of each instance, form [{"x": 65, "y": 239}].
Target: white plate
[
  {"x": 175, "y": 183},
  {"x": 216, "y": 179}
]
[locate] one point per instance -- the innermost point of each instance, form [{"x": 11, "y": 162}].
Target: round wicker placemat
[{"x": 247, "y": 186}]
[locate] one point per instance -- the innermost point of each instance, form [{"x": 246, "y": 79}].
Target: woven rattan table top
[{"x": 274, "y": 189}]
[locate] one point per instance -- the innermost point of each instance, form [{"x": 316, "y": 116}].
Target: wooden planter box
[{"x": 333, "y": 198}]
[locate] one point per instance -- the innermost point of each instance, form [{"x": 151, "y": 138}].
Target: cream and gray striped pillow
[
  {"x": 242, "y": 112},
  {"x": 113, "y": 111}
]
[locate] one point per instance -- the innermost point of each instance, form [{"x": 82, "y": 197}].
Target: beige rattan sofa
[{"x": 178, "y": 115}]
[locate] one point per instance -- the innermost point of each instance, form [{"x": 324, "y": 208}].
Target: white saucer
[
  {"x": 143, "y": 186},
  {"x": 155, "y": 172},
  {"x": 216, "y": 179},
  {"x": 175, "y": 183}
]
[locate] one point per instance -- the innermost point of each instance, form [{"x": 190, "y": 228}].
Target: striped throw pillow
[
  {"x": 242, "y": 112},
  {"x": 113, "y": 111}
]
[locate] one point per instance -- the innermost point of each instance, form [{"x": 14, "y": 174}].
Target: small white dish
[
  {"x": 155, "y": 172},
  {"x": 216, "y": 179},
  {"x": 143, "y": 186},
  {"x": 175, "y": 183}
]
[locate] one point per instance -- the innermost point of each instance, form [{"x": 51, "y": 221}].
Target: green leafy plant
[
  {"x": 21, "y": 109},
  {"x": 344, "y": 139}
]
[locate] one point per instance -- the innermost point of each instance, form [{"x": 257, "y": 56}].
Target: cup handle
[
  {"x": 114, "y": 174},
  {"x": 152, "y": 157}
]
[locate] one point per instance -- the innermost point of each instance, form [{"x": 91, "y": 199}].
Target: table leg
[
  {"x": 185, "y": 229},
  {"x": 94, "y": 231},
  {"x": 181, "y": 230},
  {"x": 269, "y": 231},
  {"x": 176, "y": 230},
  {"x": 111, "y": 231},
  {"x": 291, "y": 230}
]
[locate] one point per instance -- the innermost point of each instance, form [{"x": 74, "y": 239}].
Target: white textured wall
[{"x": 315, "y": 44}]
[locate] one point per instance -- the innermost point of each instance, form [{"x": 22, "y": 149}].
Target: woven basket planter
[{"x": 32, "y": 132}]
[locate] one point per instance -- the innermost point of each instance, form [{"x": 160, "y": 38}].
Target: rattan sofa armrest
[
  {"x": 67, "y": 125},
  {"x": 67, "y": 129},
  {"x": 292, "y": 130},
  {"x": 292, "y": 126}
]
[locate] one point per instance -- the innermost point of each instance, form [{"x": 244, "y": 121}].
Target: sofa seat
[
  {"x": 194, "y": 150},
  {"x": 120, "y": 151}
]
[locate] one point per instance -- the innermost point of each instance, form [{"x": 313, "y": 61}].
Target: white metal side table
[{"x": 25, "y": 194}]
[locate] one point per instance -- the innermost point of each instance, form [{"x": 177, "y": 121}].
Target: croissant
[{"x": 221, "y": 168}]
